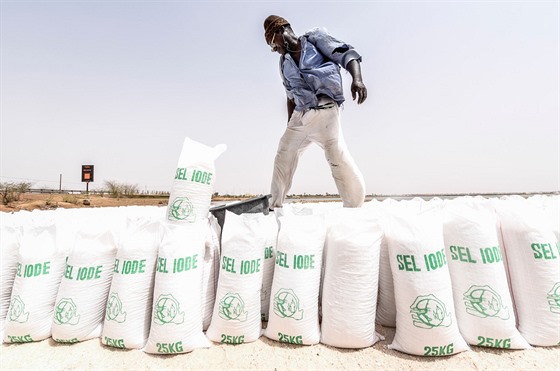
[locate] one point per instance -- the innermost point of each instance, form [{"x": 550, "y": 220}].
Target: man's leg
[
  {"x": 292, "y": 144},
  {"x": 348, "y": 178}
]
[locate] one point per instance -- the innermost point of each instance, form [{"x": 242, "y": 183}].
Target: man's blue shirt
[{"x": 319, "y": 69}]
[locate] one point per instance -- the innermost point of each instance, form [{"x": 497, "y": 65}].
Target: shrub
[
  {"x": 118, "y": 190},
  {"x": 10, "y": 191},
  {"x": 71, "y": 199}
]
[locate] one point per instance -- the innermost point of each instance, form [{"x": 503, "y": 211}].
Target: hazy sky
[{"x": 463, "y": 96}]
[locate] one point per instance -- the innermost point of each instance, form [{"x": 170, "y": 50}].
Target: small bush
[
  {"x": 10, "y": 191},
  {"x": 118, "y": 190},
  {"x": 50, "y": 200},
  {"x": 71, "y": 199}
]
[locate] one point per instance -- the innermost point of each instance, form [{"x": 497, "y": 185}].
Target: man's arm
[
  {"x": 358, "y": 88},
  {"x": 291, "y": 106}
]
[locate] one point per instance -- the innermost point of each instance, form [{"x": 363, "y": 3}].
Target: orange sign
[{"x": 87, "y": 173}]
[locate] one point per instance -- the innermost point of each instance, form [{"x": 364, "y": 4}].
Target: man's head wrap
[{"x": 271, "y": 24}]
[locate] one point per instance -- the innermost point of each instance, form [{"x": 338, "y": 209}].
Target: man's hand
[{"x": 359, "y": 89}]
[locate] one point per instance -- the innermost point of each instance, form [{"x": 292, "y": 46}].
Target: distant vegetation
[
  {"x": 10, "y": 191},
  {"x": 118, "y": 190}
]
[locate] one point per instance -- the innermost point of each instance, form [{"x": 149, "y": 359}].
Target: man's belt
[{"x": 326, "y": 106}]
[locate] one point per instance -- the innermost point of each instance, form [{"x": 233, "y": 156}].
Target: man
[{"x": 310, "y": 69}]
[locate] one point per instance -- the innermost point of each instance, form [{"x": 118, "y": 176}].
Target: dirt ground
[
  {"x": 265, "y": 354},
  {"x": 44, "y": 201}
]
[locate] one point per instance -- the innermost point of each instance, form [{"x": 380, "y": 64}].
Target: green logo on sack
[
  {"x": 17, "y": 312},
  {"x": 554, "y": 298},
  {"x": 66, "y": 312},
  {"x": 428, "y": 312},
  {"x": 286, "y": 304},
  {"x": 114, "y": 311},
  {"x": 232, "y": 308},
  {"x": 181, "y": 209},
  {"x": 167, "y": 310},
  {"x": 483, "y": 301}
]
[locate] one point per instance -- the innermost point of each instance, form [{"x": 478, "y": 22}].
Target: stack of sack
[
  {"x": 447, "y": 274},
  {"x": 186, "y": 260},
  {"x": 113, "y": 273},
  {"x": 492, "y": 248}
]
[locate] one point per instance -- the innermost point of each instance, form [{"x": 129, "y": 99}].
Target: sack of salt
[{"x": 193, "y": 185}]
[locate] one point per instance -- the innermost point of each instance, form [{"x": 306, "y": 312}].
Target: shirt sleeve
[
  {"x": 333, "y": 49},
  {"x": 285, "y": 81}
]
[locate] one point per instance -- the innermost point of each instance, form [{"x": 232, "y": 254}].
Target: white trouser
[{"x": 321, "y": 126}]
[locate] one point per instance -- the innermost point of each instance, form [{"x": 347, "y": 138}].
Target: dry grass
[{"x": 33, "y": 201}]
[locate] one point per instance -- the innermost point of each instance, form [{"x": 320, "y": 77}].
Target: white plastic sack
[
  {"x": 113, "y": 219},
  {"x": 351, "y": 279},
  {"x": 550, "y": 207},
  {"x": 39, "y": 270},
  {"x": 68, "y": 222},
  {"x": 269, "y": 230},
  {"x": 176, "y": 312},
  {"x": 10, "y": 236},
  {"x": 483, "y": 304},
  {"x": 210, "y": 269},
  {"x": 386, "y": 313},
  {"x": 533, "y": 257},
  {"x": 129, "y": 304},
  {"x": 302, "y": 209},
  {"x": 305, "y": 209},
  {"x": 426, "y": 322},
  {"x": 294, "y": 313},
  {"x": 82, "y": 296},
  {"x": 237, "y": 311},
  {"x": 193, "y": 185}
]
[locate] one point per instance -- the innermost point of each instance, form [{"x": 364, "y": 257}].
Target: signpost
[{"x": 87, "y": 175}]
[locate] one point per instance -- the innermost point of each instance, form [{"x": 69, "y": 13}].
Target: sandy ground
[
  {"x": 266, "y": 354},
  {"x": 43, "y": 201}
]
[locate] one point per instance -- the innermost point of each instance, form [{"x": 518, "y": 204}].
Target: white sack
[
  {"x": 82, "y": 296},
  {"x": 193, "y": 185},
  {"x": 210, "y": 269},
  {"x": 113, "y": 219},
  {"x": 176, "y": 312},
  {"x": 483, "y": 304},
  {"x": 68, "y": 222},
  {"x": 269, "y": 230},
  {"x": 10, "y": 236},
  {"x": 386, "y": 313},
  {"x": 305, "y": 209},
  {"x": 351, "y": 279},
  {"x": 550, "y": 207},
  {"x": 426, "y": 322},
  {"x": 533, "y": 258},
  {"x": 129, "y": 304},
  {"x": 315, "y": 208},
  {"x": 237, "y": 311},
  {"x": 294, "y": 313},
  {"x": 39, "y": 270}
]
